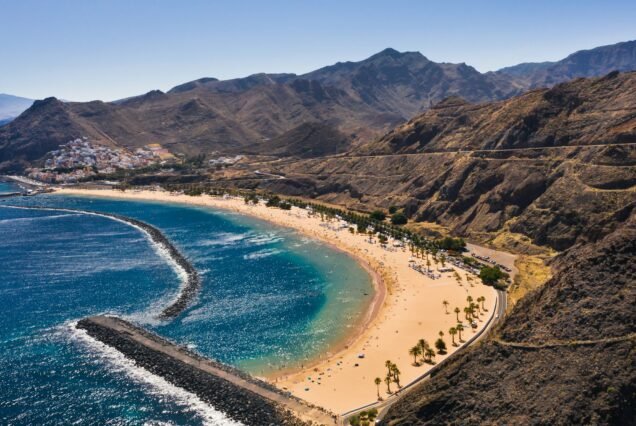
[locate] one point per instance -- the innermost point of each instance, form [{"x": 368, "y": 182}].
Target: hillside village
[{"x": 80, "y": 159}]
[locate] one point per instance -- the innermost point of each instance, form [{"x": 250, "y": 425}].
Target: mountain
[
  {"x": 564, "y": 355},
  {"x": 408, "y": 82},
  {"x": 361, "y": 100},
  {"x": 544, "y": 166},
  {"x": 358, "y": 99},
  {"x": 309, "y": 140},
  {"x": 12, "y": 106},
  {"x": 584, "y": 63}
]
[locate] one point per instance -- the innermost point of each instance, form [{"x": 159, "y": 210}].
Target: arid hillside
[
  {"x": 565, "y": 355},
  {"x": 360, "y": 100},
  {"x": 548, "y": 164}
]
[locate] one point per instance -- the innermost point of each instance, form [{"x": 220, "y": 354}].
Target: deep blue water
[{"x": 269, "y": 297}]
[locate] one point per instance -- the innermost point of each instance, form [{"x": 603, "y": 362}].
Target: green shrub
[
  {"x": 377, "y": 215},
  {"x": 399, "y": 219}
]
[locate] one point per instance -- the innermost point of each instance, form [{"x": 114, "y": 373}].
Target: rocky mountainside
[
  {"x": 408, "y": 82},
  {"x": 565, "y": 355},
  {"x": 309, "y": 140},
  {"x": 584, "y": 63},
  {"x": 567, "y": 114},
  {"x": 547, "y": 164},
  {"x": 358, "y": 99}
]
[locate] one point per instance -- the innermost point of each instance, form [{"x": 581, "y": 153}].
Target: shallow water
[
  {"x": 7, "y": 187},
  {"x": 269, "y": 298}
]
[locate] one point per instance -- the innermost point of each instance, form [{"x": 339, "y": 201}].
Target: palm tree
[
  {"x": 459, "y": 329},
  {"x": 457, "y": 311},
  {"x": 483, "y": 299},
  {"x": 414, "y": 352},
  {"x": 388, "y": 381},
  {"x": 467, "y": 313},
  {"x": 471, "y": 310},
  {"x": 445, "y": 303},
  {"x": 441, "y": 346},
  {"x": 430, "y": 353},
  {"x": 377, "y": 382},
  {"x": 469, "y": 299},
  {"x": 388, "y": 365},
  {"x": 396, "y": 374},
  {"x": 453, "y": 331},
  {"x": 441, "y": 333},
  {"x": 422, "y": 344}
]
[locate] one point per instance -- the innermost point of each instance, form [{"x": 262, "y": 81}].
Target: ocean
[{"x": 270, "y": 298}]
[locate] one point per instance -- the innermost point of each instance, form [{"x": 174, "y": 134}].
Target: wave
[
  {"x": 190, "y": 281},
  {"x": 33, "y": 219},
  {"x": 223, "y": 239},
  {"x": 155, "y": 385},
  {"x": 261, "y": 254}
]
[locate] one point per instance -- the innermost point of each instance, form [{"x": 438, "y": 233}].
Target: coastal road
[
  {"x": 455, "y": 151},
  {"x": 383, "y": 406}
]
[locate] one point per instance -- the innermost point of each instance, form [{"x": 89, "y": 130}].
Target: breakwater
[
  {"x": 237, "y": 394},
  {"x": 191, "y": 282}
]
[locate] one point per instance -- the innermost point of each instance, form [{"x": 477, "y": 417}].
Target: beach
[{"x": 405, "y": 307}]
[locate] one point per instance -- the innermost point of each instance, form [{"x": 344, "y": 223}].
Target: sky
[{"x": 96, "y": 49}]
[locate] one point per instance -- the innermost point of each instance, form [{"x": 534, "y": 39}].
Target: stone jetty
[{"x": 235, "y": 393}]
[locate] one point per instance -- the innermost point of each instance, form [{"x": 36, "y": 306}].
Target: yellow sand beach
[{"x": 407, "y": 306}]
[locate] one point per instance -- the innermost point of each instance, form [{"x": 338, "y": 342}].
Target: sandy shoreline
[{"x": 406, "y": 307}]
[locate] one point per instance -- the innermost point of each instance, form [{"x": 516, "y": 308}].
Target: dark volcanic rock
[{"x": 236, "y": 402}]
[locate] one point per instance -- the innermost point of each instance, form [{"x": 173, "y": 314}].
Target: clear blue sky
[{"x": 96, "y": 49}]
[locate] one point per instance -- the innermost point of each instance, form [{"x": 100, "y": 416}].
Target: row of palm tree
[
  {"x": 422, "y": 349},
  {"x": 419, "y": 245},
  {"x": 456, "y": 330},
  {"x": 392, "y": 376}
]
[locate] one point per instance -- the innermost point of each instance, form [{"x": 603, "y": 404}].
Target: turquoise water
[
  {"x": 270, "y": 297},
  {"x": 7, "y": 187}
]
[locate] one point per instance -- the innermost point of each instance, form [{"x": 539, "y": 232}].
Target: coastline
[{"x": 406, "y": 306}]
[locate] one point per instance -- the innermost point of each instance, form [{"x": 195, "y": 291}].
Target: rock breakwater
[{"x": 240, "y": 396}]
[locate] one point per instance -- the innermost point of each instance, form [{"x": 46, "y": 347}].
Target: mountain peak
[{"x": 391, "y": 53}]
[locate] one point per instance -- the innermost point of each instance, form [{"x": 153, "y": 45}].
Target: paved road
[{"x": 459, "y": 151}]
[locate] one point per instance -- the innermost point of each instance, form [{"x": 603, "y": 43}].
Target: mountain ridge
[
  {"x": 362, "y": 100},
  {"x": 583, "y": 63}
]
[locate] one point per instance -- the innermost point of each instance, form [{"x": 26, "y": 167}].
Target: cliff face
[
  {"x": 548, "y": 164},
  {"x": 565, "y": 355}
]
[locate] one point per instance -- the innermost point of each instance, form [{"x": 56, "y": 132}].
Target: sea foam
[{"x": 154, "y": 384}]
